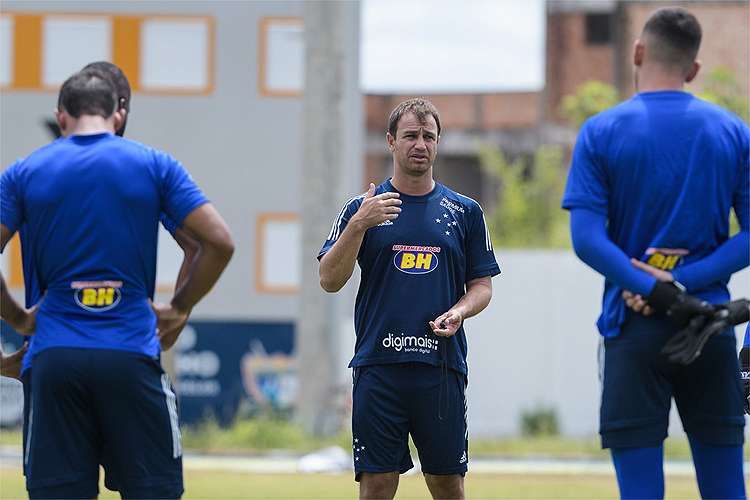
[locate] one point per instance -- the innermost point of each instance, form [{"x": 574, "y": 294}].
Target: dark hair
[
  {"x": 118, "y": 79},
  {"x": 419, "y": 106},
  {"x": 88, "y": 92},
  {"x": 122, "y": 87},
  {"x": 673, "y": 37}
]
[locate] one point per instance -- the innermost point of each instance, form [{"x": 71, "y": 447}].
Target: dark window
[{"x": 598, "y": 30}]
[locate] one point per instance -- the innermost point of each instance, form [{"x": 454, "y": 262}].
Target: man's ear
[
  {"x": 639, "y": 49},
  {"x": 391, "y": 141},
  {"x": 694, "y": 69},
  {"x": 119, "y": 117},
  {"x": 61, "y": 118}
]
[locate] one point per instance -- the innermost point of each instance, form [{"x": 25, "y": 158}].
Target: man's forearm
[
  {"x": 732, "y": 256},
  {"x": 204, "y": 272},
  {"x": 337, "y": 265},
  {"x": 10, "y": 310},
  {"x": 476, "y": 299}
]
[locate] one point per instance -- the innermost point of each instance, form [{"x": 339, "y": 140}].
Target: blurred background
[{"x": 279, "y": 110}]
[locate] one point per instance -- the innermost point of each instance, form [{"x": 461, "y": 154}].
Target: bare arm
[
  {"x": 210, "y": 231},
  {"x": 337, "y": 265},
  {"x": 22, "y": 320},
  {"x": 191, "y": 249},
  {"x": 477, "y": 297}
]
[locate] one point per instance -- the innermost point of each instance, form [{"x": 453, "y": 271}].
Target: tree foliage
[
  {"x": 527, "y": 213},
  {"x": 589, "y": 99},
  {"x": 721, "y": 87}
]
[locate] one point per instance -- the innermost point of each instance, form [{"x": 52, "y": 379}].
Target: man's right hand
[
  {"x": 169, "y": 323},
  {"x": 24, "y": 323},
  {"x": 375, "y": 210},
  {"x": 10, "y": 365}
]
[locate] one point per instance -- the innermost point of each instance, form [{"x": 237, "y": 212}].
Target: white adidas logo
[{"x": 463, "y": 458}]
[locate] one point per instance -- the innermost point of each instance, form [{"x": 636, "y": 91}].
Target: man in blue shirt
[
  {"x": 18, "y": 365},
  {"x": 650, "y": 189},
  {"x": 427, "y": 263},
  {"x": 97, "y": 385}
]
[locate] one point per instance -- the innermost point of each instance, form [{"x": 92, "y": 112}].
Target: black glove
[
  {"x": 745, "y": 375},
  {"x": 680, "y": 307},
  {"x": 686, "y": 345}
]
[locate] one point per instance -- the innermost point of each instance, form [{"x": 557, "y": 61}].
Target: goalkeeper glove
[
  {"x": 686, "y": 345},
  {"x": 670, "y": 298}
]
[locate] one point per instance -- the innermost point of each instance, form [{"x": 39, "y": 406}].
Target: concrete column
[{"x": 331, "y": 174}]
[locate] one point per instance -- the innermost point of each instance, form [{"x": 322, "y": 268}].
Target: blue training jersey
[
  {"x": 665, "y": 168},
  {"x": 414, "y": 269},
  {"x": 33, "y": 292},
  {"x": 90, "y": 207}
]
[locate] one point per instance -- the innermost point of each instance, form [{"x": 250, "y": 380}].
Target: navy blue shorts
[
  {"x": 92, "y": 407},
  {"x": 638, "y": 384},
  {"x": 392, "y": 401}
]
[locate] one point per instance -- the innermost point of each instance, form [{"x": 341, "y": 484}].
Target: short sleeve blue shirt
[
  {"x": 90, "y": 207},
  {"x": 665, "y": 168},
  {"x": 414, "y": 269}
]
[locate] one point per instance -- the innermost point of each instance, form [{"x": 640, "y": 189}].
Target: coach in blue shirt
[
  {"x": 91, "y": 205},
  {"x": 650, "y": 189},
  {"x": 427, "y": 263}
]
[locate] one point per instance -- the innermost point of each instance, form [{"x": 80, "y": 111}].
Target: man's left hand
[
  {"x": 447, "y": 324},
  {"x": 169, "y": 324}
]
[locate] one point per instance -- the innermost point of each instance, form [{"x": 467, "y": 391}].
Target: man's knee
[
  {"x": 447, "y": 486},
  {"x": 378, "y": 485}
]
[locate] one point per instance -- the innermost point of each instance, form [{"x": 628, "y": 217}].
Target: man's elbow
[
  {"x": 222, "y": 248},
  {"x": 329, "y": 285}
]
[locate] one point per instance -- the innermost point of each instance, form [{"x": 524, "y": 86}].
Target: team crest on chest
[{"x": 416, "y": 259}]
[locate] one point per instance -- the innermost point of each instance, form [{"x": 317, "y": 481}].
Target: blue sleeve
[
  {"x": 339, "y": 224},
  {"x": 180, "y": 194},
  {"x": 734, "y": 254},
  {"x": 587, "y": 185},
  {"x": 168, "y": 223},
  {"x": 11, "y": 204},
  {"x": 746, "y": 343},
  {"x": 480, "y": 257},
  {"x": 588, "y": 230}
]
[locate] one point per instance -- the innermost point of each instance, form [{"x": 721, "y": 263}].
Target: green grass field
[{"x": 206, "y": 484}]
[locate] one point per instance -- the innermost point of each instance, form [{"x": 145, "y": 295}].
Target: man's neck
[
  {"x": 653, "y": 80},
  {"x": 411, "y": 185},
  {"x": 90, "y": 125}
]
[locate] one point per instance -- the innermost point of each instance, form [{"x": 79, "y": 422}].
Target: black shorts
[
  {"x": 392, "y": 401},
  {"x": 91, "y": 407},
  {"x": 638, "y": 384}
]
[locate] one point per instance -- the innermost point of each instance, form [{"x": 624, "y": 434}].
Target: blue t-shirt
[
  {"x": 32, "y": 290},
  {"x": 665, "y": 168},
  {"x": 414, "y": 269},
  {"x": 90, "y": 207}
]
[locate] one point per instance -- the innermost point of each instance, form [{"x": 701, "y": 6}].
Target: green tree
[
  {"x": 589, "y": 99},
  {"x": 721, "y": 87},
  {"x": 528, "y": 213}
]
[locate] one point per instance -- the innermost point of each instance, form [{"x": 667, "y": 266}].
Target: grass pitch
[{"x": 210, "y": 484}]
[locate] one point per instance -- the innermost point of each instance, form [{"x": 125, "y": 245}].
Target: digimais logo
[
  {"x": 97, "y": 296},
  {"x": 414, "y": 259},
  {"x": 410, "y": 343}
]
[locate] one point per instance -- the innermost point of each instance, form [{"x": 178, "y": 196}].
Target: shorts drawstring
[{"x": 443, "y": 378}]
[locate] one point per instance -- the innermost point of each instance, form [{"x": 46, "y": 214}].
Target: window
[{"x": 598, "y": 29}]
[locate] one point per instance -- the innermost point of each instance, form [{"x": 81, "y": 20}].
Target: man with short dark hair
[
  {"x": 650, "y": 189},
  {"x": 427, "y": 263},
  {"x": 95, "y": 330}
]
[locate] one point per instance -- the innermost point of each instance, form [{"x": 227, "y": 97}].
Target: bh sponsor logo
[
  {"x": 97, "y": 296},
  {"x": 410, "y": 343},
  {"x": 415, "y": 259},
  {"x": 665, "y": 258}
]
